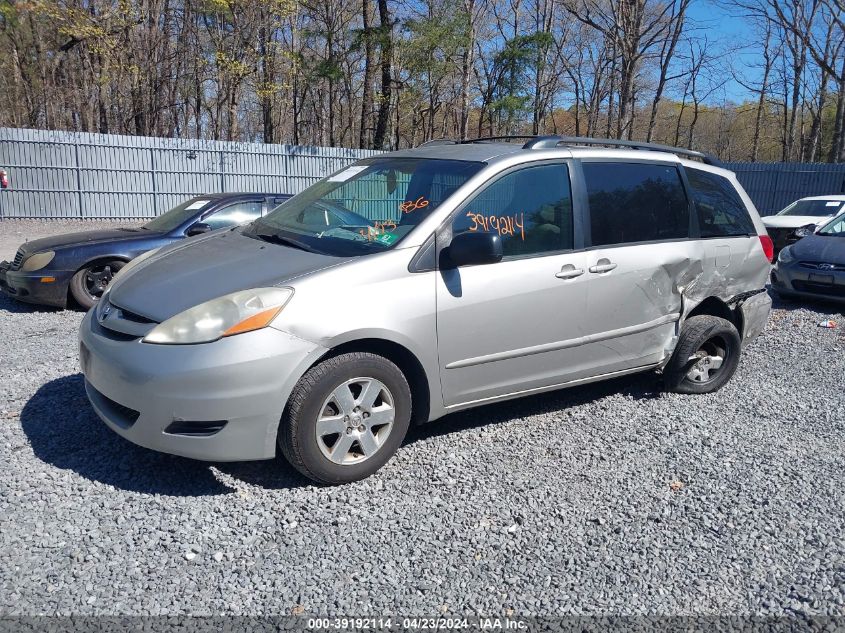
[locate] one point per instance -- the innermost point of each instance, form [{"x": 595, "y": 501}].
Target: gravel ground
[{"x": 607, "y": 499}]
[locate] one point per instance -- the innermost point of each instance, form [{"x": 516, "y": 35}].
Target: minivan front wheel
[
  {"x": 346, "y": 417},
  {"x": 706, "y": 356}
]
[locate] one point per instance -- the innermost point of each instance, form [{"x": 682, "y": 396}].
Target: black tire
[
  {"x": 84, "y": 291},
  {"x": 297, "y": 436},
  {"x": 703, "y": 335}
]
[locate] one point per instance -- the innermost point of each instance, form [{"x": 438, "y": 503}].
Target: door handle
[
  {"x": 569, "y": 272},
  {"x": 603, "y": 266}
]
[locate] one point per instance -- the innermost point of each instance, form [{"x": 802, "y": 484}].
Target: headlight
[
  {"x": 785, "y": 256},
  {"x": 122, "y": 272},
  {"x": 37, "y": 261},
  {"x": 804, "y": 231},
  {"x": 235, "y": 313}
]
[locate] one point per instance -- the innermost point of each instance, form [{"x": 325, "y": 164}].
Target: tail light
[{"x": 768, "y": 247}]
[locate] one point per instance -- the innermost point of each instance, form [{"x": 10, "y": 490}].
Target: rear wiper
[{"x": 285, "y": 241}]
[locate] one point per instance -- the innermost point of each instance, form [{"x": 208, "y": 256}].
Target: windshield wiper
[{"x": 284, "y": 241}]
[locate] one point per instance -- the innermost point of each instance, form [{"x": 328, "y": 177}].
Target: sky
[{"x": 731, "y": 32}]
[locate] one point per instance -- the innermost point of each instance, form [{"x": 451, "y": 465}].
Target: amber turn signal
[{"x": 255, "y": 322}]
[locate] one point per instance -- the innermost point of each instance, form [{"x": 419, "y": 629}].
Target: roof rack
[
  {"x": 480, "y": 139},
  {"x": 541, "y": 142},
  {"x": 554, "y": 140}
]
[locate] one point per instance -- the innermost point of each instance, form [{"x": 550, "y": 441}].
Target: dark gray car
[
  {"x": 814, "y": 267},
  {"x": 80, "y": 266}
]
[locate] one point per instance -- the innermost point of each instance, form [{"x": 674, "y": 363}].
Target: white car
[{"x": 801, "y": 218}]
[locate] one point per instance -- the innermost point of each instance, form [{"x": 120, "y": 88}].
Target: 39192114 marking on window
[{"x": 503, "y": 224}]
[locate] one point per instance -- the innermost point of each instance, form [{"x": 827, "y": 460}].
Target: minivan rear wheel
[
  {"x": 706, "y": 356},
  {"x": 346, "y": 418}
]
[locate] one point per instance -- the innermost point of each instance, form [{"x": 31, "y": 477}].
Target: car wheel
[
  {"x": 706, "y": 356},
  {"x": 89, "y": 283},
  {"x": 345, "y": 418}
]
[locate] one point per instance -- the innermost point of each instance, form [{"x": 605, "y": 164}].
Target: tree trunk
[
  {"x": 386, "y": 73},
  {"x": 369, "y": 75}
]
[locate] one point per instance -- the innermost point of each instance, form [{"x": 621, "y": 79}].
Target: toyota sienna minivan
[{"x": 485, "y": 270}]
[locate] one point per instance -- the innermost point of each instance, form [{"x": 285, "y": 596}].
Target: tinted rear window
[
  {"x": 720, "y": 210},
  {"x": 635, "y": 202}
]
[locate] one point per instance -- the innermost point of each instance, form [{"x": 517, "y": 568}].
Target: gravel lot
[{"x": 607, "y": 499}]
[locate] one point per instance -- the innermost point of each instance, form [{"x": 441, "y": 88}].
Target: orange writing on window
[
  {"x": 502, "y": 224},
  {"x": 413, "y": 205}
]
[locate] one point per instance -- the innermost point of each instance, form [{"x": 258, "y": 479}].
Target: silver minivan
[{"x": 479, "y": 271}]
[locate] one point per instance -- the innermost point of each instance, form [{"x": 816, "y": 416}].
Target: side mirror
[
  {"x": 197, "y": 229},
  {"x": 471, "y": 248}
]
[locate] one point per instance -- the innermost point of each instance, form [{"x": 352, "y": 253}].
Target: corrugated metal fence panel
[
  {"x": 66, "y": 174},
  {"x": 80, "y": 175},
  {"x": 772, "y": 186}
]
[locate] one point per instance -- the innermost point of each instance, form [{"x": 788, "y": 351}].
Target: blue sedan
[{"x": 79, "y": 266}]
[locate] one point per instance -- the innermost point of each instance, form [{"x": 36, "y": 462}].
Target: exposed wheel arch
[
  {"x": 403, "y": 358},
  {"x": 714, "y": 306}
]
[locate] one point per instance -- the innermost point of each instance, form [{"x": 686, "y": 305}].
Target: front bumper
[
  {"x": 28, "y": 287},
  {"x": 236, "y": 386},
  {"x": 796, "y": 280}
]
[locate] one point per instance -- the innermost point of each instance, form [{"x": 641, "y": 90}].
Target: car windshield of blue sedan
[
  {"x": 177, "y": 216},
  {"x": 815, "y": 208},
  {"x": 367, "y": 207},
  {"x": 834, "y": 228}
]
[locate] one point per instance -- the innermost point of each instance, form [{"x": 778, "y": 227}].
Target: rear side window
[
  {"x": 720, "y": 210},
  {"x": 635, "y": 202},
  {"x": 530, "y": 209}
]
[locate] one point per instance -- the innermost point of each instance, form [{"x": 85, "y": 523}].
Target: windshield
[
  {"x": 834, "y": 228},
  {"x": 367, "y": 207},
  {"x": 815, "y": 208},
  {"x": 177, "y": 216}
]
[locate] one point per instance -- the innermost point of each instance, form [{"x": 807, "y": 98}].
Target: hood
[
  {"x": 820, "y": 248},
  {"x": 83, "y": 238},
  {"x": 202, "y": 269},
  {"x": 793, "y": 221}
]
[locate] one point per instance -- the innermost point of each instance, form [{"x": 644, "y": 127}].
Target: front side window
[
  {"x": 367, "y": 207},
  {"x": 234, "y": 214},
  {"x": 530, "y": 209},
  {"x": 635, "y": 202},
  {"x": 720, "y": 210}
]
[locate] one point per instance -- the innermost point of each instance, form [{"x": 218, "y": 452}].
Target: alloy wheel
[{"x": 355, "y": 420}]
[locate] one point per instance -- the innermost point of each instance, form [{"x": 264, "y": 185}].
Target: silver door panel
[{"x": 493, "y": 320}]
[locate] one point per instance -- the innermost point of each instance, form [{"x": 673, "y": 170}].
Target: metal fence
[
  {"x": 78, "y": 175},
  {"x": 772, "y": 186}
]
